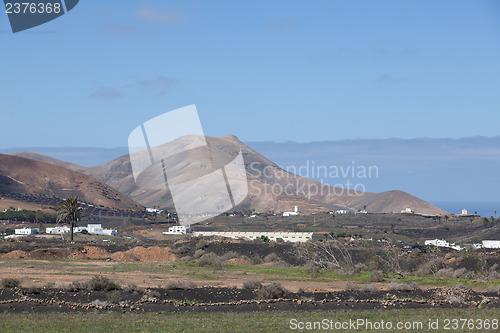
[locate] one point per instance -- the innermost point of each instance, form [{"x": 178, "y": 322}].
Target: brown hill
[
  {"x": 48, "y": 159},
  {"x": 27, "y": 176},
  {"x": 271, "y": 189}
]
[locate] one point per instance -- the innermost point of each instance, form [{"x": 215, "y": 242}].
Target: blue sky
[{"x": 262, "y": 70}]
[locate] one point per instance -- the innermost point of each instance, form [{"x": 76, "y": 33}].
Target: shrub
[
  {"x": 273, "y": 257},
  {"x": 360, "y": 287},
  {"x": 313, "y": 272},
  {"x": 133, "y": 289},
  {"x": 97, "y": 283},
  {"x": 198, "y": 253},
  {"x": 256, "y": 260},
  {"x": 252, "y": 285},
  {"x": 201, "y": 244},
  {"x": 367, "y": 287},
  {"x": 272, "y": 291},
  {"x": 403, "y": 286},
  {"x": 184, "y": 249},
  {"x": 102, "y": 283},
  {"x": 376, "y": 276},
  {"x": 212, "y": 260},
  {"x": 78, "y": 285},
  {"x": 10, "y": 283},
  {"x": 172, "y": 285},
  {"x": 229, "y": 255}
]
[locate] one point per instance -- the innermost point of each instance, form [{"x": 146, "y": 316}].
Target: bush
[
  {"x": 198, "y": 253},
  {"x": 376, "y": 276},
  {"x": 102, "y": 283},
  {"x": 212, "y": 260},
  {"x": 360, "y": 287},
  {"x": 184, "y": 249},
  {"x": 97, "y": 283},
  {"x": 256, "y": 260},
  {"x": 229, "y": 255},
  {"x": 272, "y": 291},
  {"x": 10, "y": 283},
  {"x": 252, "y": 285},
  {"x": 403, "y": 286},
  {"x": 273, "y": 257},
  {"x": 450, "y": 272},
  {"x": 133, "y": 289},
  {"x": 313, "y": 272},
  {"x": 173, "y": 285},
  {"x": 201, "y": 244}
]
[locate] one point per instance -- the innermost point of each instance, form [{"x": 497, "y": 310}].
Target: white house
[
  {"x": 57, "y": 230},
  {"x": 294, "y": 237},
  {"x": 437, "y": 242},
  {"x": 342, "y": 211},
  {"x": 94, "y": 229},
  {"x": 154, "y": 210},
  {"x": 177, "y": 230},
  {"x": 407, "y": 210},
  {"x": 294, "y": 213},
  {"x": 491, "y": 244},
  {"x": 27, "y": 231}
]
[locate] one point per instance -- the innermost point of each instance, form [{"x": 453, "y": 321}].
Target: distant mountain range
[
  {"x": 263, "y": 176},
  {"x": 439, "y": 170}
]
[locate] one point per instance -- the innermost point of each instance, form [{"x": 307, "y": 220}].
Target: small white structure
[
  {"x": 57, "y": 230},
  {"x": 154, "y": 210},
  {"x": 437, "y": 242},
  {"x": 294, "y": 237},
  {"x": 464, "y": 212},
  {"x": 363, "y": 211},
  {"x": 96, "y": 229},
  {"x": 177, "y": 230},
  {"x": 491, "y": 244},
  {"x": 342, "y": 211},
  {"x": 407, "y": 210},
  {"x": 294, "y": 213},
  {"x": 27, "y": 231}
]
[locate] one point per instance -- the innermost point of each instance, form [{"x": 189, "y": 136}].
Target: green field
[{"x": 248, "y": 322}]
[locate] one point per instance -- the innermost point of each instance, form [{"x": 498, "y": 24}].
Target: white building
[
  {"x": 342, "y": 211},
  {"x": 154, "y": 210},
  {"x": 57, "y": 230},
  {"x": 27, "y": 231},
  {"x": 177, "y": 230},
  {"x": 437, "y": 242},
  {"x": 491, "y": 244},
  {"x": 94, "y": 229},
  {"x": 407, "y": 210},
  {"x": 294, "y": 213},
  {"x": 294, "y": 237}
]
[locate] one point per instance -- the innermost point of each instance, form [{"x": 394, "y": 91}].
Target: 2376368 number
[
  {"x": 471, "y": 324},
  {"x": 32, "y": 8}
]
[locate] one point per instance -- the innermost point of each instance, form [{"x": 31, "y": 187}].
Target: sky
[{"x": 262, "y": 70}]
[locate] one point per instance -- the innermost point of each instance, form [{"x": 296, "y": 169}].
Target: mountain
[
  {"x": 50, "y": 160},
  {"x": 31, "y": 177},
  {"x": 271, "y": 188}
]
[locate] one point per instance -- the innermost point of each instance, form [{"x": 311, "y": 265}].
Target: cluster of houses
[
  {"x": 486, "y": 244},
  {"x": 94, "y": 229}
]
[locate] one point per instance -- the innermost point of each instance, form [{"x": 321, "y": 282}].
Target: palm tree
[{"x": 69, "y": 209}]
